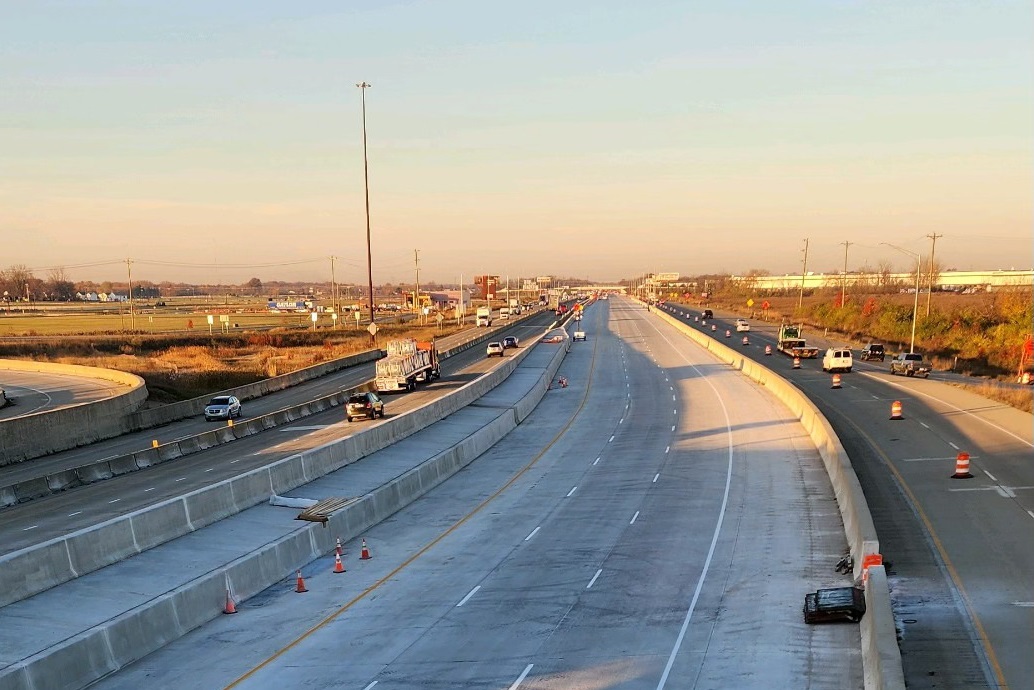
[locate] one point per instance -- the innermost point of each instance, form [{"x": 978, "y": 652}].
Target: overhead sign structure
[{"x": 666, "y": 277}]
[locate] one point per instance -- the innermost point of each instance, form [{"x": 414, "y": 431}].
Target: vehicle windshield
[
  {"x": 360, "y": 399},
  {"x": 219, "y": 401}
]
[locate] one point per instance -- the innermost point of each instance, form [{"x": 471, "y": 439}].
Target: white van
[{"x": 837, "y": 359}]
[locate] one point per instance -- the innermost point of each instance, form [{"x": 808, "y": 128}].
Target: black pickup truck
[{"x": 872, "y": 351}]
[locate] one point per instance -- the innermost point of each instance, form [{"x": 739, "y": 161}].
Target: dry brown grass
[{"x": 1020, "y": 398}]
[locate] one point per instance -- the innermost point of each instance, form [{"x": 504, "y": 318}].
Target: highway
[
  {"x": 78, "y": 508},
  {"x": 961, "y": 552},
  {"x": 655, "y": 524},
  {"x": 31, "y": 392}
]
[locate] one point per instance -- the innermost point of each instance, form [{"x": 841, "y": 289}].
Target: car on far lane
[
  {"x": 493, "y": 349},
  {"x": 368, "y": 405},
  {"x": 872, "y": 351},
  {"x": 742, "y": 326},
  {"x": 223, "y": 407},
  {"x": 707, "y": 314},
  {"x": 510, "y": 341}
]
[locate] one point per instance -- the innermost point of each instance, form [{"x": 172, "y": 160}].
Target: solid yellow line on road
[{"x": 359, "y": 597}]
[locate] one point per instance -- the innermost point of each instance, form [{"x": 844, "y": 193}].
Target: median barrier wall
[
  {"x": 41, "y": 433},
  {"x": 881, "y": 658}
]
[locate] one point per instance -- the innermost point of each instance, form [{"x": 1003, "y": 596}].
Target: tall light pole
[
  {"x": 929, "y": 269},
  {"x": 843, "y": 282},
  {"x": 915, "y": 306},
  {"x": 366, "y": 183},
  {"x": 804, "y": 272}
]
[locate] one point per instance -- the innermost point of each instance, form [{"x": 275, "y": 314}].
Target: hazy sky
[{"x": 599, "y": 139}]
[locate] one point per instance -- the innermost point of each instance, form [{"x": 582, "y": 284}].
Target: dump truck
[
  {"x": 484, "y": 317},
  {"x": 792, "y": 344},
  {"x": 407, "y": 363}
]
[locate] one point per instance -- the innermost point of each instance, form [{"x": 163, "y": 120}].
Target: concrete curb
[{"x": 881, "y": 658}]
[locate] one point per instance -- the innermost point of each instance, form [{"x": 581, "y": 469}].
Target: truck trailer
[
  {"x": 484, "y": 317},
  {"x": 791, "y": 343},
  {"x": 407, "y": 363}
]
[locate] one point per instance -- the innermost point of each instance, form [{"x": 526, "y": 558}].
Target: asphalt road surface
[
  {"x": 961, "y": 552},
  {"x": 30, "y": 392},
  {"x": 655, "y": 524}
]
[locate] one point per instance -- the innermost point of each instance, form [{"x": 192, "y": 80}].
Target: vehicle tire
[
  {"x": 847, "y": 371},
  {"x": 892, "y": 371},
  {"x": 349, "y": 419}
]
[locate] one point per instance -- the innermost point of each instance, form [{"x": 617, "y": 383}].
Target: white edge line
[
  {"x": 469, "y": 595},
  {"x": 370, "y": 685},
  {"x": 533, "y": 533},
  {"x": 990, "y": 475},
  {"x": 953, "y": 445},
  {"x": 571, "y": 492},
  {"x": 923, "y": 424},
  {"x": 655, "y": 478},
  {"x": 596, "y": 461},
  {"x": 593, "y": 580},
  {"x": 520, "y": 678},
  {"x": 634, "y": 518}
]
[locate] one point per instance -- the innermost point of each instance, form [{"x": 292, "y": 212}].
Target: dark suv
[
  {"x": 367, "y": 405},
  {"x": 708, "y": 314},
  {"x": 871, "y": 352}
]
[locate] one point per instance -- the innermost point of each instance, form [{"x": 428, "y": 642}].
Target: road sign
[
  {"x": 358, "y": 315},
  {"x": 765, "y": 304},
  {"x": 439, "y": 318},
  {"x": 750, "y": 303},
  {"x": 372, "y": 328},
  {"x": 1028, "y": 346}
]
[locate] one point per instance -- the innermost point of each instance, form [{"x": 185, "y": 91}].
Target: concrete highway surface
[
  {"x": 654, "y": 524},
  {"x": 81, "y": 507},
  {"x": 960, "y": 551},
  {"x": 31, "y": 392}
]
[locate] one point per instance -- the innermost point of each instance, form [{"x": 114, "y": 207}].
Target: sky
[{"x": 217, "y": 141}]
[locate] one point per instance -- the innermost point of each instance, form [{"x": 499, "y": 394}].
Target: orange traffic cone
[
  {"x": 338, "y": 547},
  {"x": 962, "y": 466},
  {"x": 713, "y": 328},
  {"x": 796, "y": 362},
  {"x": 339, "y": 567},
  {"x": 300, "y": 584},
  {"x": 768, "y": 349},
  {"x": 230, "y": 607},
  {"x": 869, "y": 560},
  {"x": 728, "y": 333},
  {"x": 836, "y": 381},
  {"x": 364, "y": 555},
  {"x": 895, "y": 410}
]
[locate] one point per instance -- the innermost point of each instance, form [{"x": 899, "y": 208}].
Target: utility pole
[
  {"x": 843, "y": 282},
  {"x": 933, "y": 247},
  {"x": 366, "y": 183},
  {"x": 416, "y": 296},
  {"x": 804, "y": 272},
  {"x": 333, "y": 286},
  {"x": 132, "y": 315}
]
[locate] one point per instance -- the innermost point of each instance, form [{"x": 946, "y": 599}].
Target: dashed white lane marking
[
  {"x": 78, "y": 512},
  {"x": 368, "y": 687},
  {"x": 990, "y": 475},
  {"x": 667, "y": 449},
  {"x": 1031, "y": 513},
  {"x": 634, "y": 518},
  {"x": 114, "y": 500},
  {"x": 953, "y": 445},
  {"x": 314, "y": 427},
  {"x": 655, "y": 478},
  {"x": 923, "y": 425},
  {"x": 233, "y": 461},
  {"x": 1003, "y": 491},
  {"x": 621, "y": 421},
  {"x": 611, "y": 440},
  {"x": 151, "y": 489},
  {"x": 942, "y": 459},
  {"x": 181, "y": 479},
  {"x": 596, "y": 461},
  {"x": 593, "y": 580},
  {"x": 673, "y": 398},
  {"x": 1025, "y": 604},
  {"x": 209, "y": 469},
  {"x": 673, "y": 427},
  {"x": 674, "y": 411},
  {"x": 875, "y": 397},
  {"x": 533, "y": 532},
  {"x": 571, "y": 492},
  {"x": 520, "y": 678},
  {"x": 26, "y": 529},
  {"x": 469, "y": 595}
]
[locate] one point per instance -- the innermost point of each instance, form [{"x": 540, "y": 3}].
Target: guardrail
[{"x": 881, "y": 658}]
